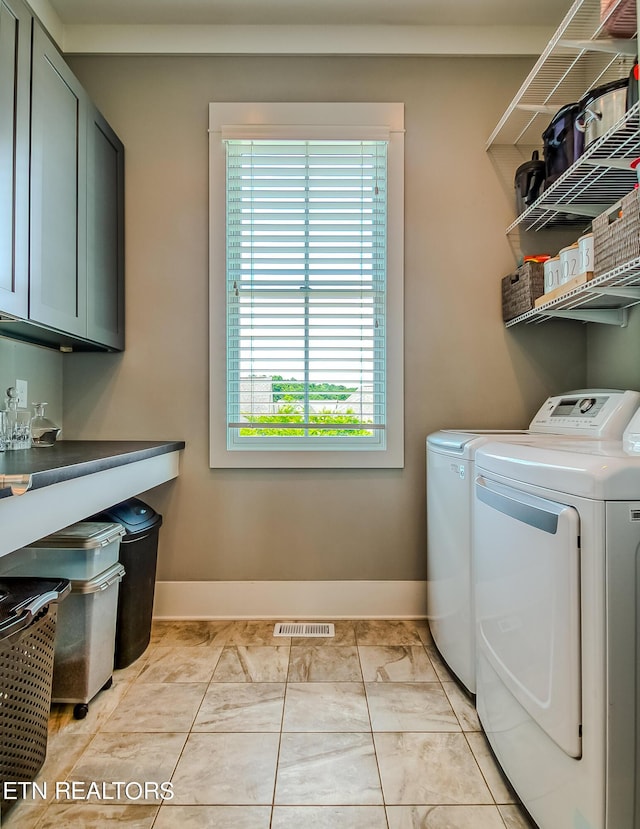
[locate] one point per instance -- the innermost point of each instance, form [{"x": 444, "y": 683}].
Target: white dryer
[
  {"x": 592, "y": 413},
  {"x": 557, "y": 573}
]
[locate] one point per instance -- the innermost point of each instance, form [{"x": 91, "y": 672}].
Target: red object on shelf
[{"x": 542, "y": 257}]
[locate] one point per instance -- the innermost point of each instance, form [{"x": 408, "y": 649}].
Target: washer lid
[
  {"x": 465, "y": 443},
  {"x": 601, "y": 414},
  {"x": 600, "y": 470}
]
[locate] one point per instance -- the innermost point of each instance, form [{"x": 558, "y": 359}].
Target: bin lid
[
  {"x": 22, "y": 597},
  {"x": 99, "y": 582},
  {"x": 134, "y": 515},
  {"x": 82, "y": 536}
]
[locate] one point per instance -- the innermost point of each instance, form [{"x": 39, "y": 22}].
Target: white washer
[
  {"x": 557, "y": 571},
  {"x": 450, "y": 465}
]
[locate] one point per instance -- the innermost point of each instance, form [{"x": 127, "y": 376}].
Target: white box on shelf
[
  {"x": 569, "y": 263},
  {"x": 552, "y": 274}
]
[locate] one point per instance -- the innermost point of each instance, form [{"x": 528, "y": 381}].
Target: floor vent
[{"x": 317, "y": 629}]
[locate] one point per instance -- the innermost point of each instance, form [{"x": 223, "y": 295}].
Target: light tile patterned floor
[{"x": 363, "y": 731}]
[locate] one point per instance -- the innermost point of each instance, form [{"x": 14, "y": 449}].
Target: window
[{"x": 306, "y": 284}]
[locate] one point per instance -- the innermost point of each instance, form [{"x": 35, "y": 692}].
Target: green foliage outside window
[
  {"x": 294, "y": 390},
  {"x": 291, "y": 413}
]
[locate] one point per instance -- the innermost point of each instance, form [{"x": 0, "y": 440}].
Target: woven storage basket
[
  {"x": 26, "y": 670},
  {"x": 622, "y": 23},
  {"x": 616, "y": 234},
  {"x": 521, "y": 289}
]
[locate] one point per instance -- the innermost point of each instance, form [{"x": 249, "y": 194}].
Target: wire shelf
[
  {"x": 579, "y": 57},
  {"x": 604, "y": 299},
  {"x": 600, "y": 177}
]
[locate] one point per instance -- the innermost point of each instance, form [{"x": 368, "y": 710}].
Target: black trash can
[
  {"x": 28, "y": 610},
  {"x": 138, "y": 555}
]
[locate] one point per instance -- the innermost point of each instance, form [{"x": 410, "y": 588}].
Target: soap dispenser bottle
[{"x": 43, "y": 431}]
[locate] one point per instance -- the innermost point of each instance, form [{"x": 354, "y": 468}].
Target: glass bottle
[
  {"x": 43, "y": 431},
  {"x": 16, "y": 422}
]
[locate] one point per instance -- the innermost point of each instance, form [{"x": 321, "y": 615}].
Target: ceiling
[
  {"x": 312, "y": 12},
  {"x": 282, "y": 27}
]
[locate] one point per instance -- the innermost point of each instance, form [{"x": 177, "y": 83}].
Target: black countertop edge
[{"x": 69, "y": 459}]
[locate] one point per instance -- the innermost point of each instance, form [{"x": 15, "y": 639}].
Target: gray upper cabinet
[
  {"x": 105, "y": 233},
  {"x": 58, "y": 231},
  {"x": 61, "y": 198},
  {"x": 15, "y": 73}
]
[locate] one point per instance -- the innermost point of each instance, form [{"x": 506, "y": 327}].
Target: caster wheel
[
  {"x": 107, "y": 684},
  {"x": 80, "y": 711}
]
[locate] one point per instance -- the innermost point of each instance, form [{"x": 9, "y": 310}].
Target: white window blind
[{"x": 306, "y": 277}]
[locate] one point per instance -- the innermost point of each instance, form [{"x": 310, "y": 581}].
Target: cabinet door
[
  {"x": 58, "y": 244},
  {"x": 15, "y": 70},
  {"x": 105, "y": 233}
]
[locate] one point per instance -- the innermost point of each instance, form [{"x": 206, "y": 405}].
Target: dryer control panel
[{"x": 597, "y": 413}]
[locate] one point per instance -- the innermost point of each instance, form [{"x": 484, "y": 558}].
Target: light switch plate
[{"x": 21, "y": 389}]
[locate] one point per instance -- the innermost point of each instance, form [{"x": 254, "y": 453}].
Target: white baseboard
[{"x": 290, "y": 600}]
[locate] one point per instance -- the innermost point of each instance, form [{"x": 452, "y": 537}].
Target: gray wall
[
  {"x": 42, "y": 369},
  {"x": 614, "y": 354},
  {"x": 462, "y": 368}
]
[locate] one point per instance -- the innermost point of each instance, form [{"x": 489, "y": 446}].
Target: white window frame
[{"x": 317, "y": 120}]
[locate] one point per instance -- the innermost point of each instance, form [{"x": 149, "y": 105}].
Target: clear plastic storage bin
[
  {"x": 83, "y": 663},
  {"x": 87, "y": 554},
  {"x": 80, "y": 551}
]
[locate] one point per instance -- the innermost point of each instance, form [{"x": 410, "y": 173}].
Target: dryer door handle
[{"x": 528, "y": 509}]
